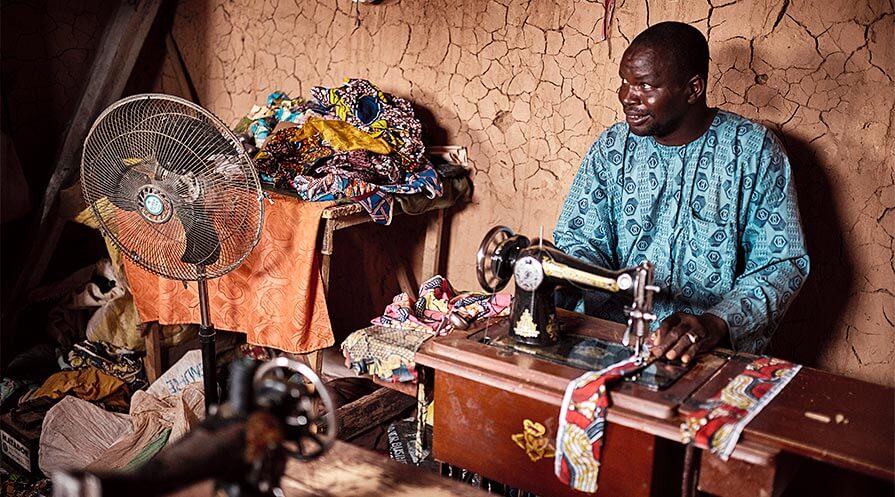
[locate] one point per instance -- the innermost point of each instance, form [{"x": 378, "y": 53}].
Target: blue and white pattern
[{"x": 718, "y": 217}]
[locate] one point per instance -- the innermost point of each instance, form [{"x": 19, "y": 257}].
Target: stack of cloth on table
[
  {"x": 386, "y": 349},
  {"x": 354, "y": 141}
]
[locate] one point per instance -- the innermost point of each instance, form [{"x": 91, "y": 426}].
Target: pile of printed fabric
[
  {"x": 354, "y": 141},
  {"x": 387, "y": 349}
]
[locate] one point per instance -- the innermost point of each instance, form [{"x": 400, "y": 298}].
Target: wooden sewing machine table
[{"x": 496, "y": 413}]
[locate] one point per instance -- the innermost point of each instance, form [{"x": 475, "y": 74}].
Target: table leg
[
  {"x": 432, "y": 252},
  {"x": 326, "y": 252},
  {"x": 692, "y": 457},
  {"x": 422, "y": 412},
  {"x": 152, "y": 363}
]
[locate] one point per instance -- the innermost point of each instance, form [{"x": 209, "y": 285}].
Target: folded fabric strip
[
  {"x": 582, "y": 420},
  {"x": 89, "y": 384},
  {"x": 717, "y": 423}
]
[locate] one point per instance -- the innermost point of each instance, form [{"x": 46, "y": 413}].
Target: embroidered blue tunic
[{"x": 718, "y": 217}]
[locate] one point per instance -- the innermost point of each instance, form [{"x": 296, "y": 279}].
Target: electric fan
[{"x": 174, "y": 190}]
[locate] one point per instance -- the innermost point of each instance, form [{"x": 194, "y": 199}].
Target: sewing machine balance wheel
[
  {"x": 496, "y": 256},
  {"x": 308, "y": 409}
]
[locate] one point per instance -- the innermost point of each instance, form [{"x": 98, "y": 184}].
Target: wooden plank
[
  {"x": 153, "y": 360},
  {"x": 181, "y": 74},
  {"x": 829, "y": 418},
  {"x": 383, "y": 405},
  {"x": 349, "y": 470},
  {"x": 121, "y": 43},
  {"x": 432, "y": 251}
]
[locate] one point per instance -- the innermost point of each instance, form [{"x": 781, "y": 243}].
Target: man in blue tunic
[{"x": 704, "y": 194}]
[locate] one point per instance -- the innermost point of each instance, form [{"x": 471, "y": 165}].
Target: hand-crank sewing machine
[
  {"x": 539, "y": 268},
  {"x": 498, "y": 386}
]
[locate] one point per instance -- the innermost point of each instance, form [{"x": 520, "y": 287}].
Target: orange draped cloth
[{"x": 275, "y": 296}]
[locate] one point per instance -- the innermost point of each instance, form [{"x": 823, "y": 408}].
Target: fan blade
[
  {"x": 128, "y": 181},
  {"x": 203, "y": 141},
  {"x": 203, "y": 245}
]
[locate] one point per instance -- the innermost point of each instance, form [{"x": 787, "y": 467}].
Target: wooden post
[
  {"x": 152, "y": 363},
  {"x": 432, "y": 253},
  {"x": 121, "y": 43}
]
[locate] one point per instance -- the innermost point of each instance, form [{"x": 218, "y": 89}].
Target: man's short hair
[{"x": 685, "y": 45}]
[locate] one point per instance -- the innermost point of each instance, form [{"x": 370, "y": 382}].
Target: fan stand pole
[{"x": 206, "y": 338}]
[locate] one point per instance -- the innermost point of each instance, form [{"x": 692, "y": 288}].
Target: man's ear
[{"x": 695, "y": 89}]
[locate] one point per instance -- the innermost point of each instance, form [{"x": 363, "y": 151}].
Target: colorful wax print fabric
[
  {"x": 387, "y": 348},
  {"x": 718, "y": 422},
  {"x": 377, "y": 200},
  {"x": 437, "y": 300},
  {"x": 718, "y": 217},
  {"x": 367, "y": 147},
  {"x": 380, "y": 114},
  {"x": 385, "y": 352},
  {"x": 262, "y": 120},
  {"x": 582, "y": 421}
]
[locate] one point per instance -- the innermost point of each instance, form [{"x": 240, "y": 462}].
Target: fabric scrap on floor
[
  {"x": 89, "y": 384},
  {"x": 116, "y": 361},
  {"x": 75, "y": 433}
]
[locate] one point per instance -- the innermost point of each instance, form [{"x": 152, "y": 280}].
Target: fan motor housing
[{"x": 155, "y": 206}]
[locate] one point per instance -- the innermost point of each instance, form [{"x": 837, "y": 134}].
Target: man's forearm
[{"x": 757, "y": 302}]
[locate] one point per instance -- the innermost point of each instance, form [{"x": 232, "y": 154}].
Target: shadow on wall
[
  {"x": 435, "y": 134},
  {"x": 808, "y": 327}
]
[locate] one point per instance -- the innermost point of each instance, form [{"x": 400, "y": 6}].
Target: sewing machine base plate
[{"x": 592, "y": 354}]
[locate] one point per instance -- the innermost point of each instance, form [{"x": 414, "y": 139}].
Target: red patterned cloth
[
  {"x": 582, "y": 420},
  {"x": 717, "y": 423}
]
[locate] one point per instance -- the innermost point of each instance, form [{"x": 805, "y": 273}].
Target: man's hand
[{"x": 685, "y": 335}]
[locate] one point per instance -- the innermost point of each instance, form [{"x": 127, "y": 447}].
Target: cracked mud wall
[{"x": 527, "y": 86}]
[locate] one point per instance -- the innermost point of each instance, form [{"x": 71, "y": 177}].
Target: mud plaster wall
[{"x": 527, "y": 86}]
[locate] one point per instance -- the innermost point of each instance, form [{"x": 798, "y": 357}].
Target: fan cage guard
[{"x": 172, "y": 187}]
